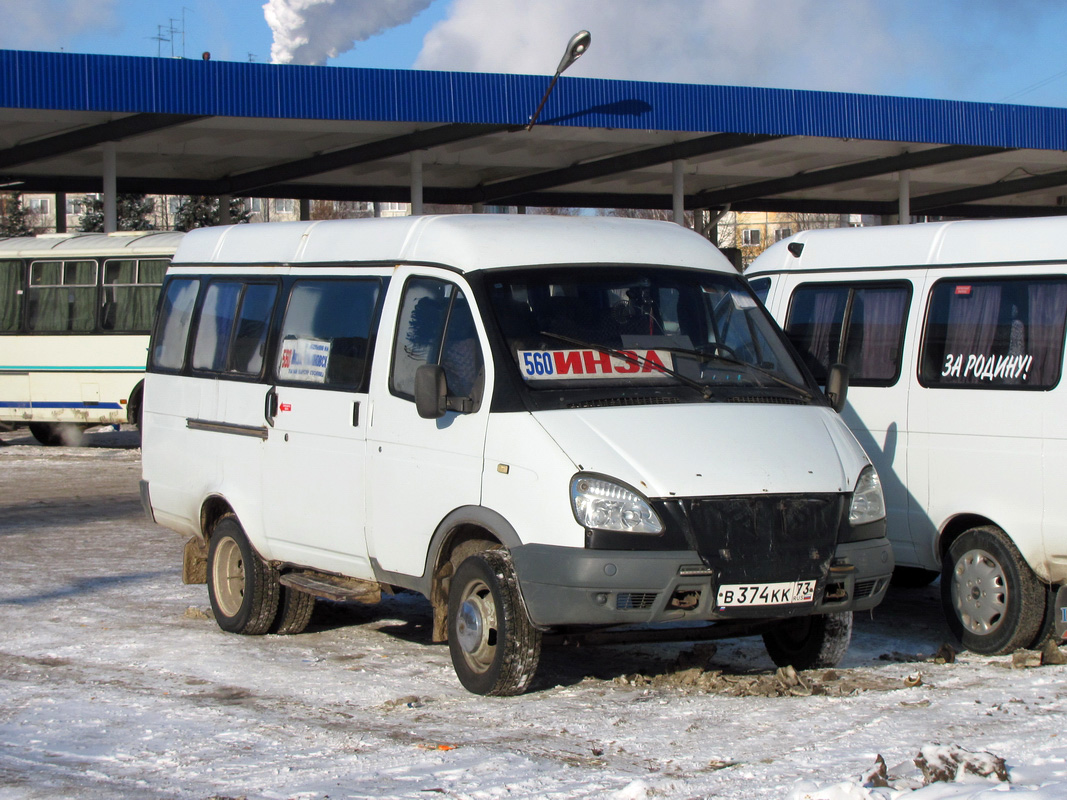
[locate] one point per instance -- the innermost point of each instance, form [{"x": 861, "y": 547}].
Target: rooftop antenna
[
  {"x": 578, "y": 44},
  {"x": 160, "y": 38}
]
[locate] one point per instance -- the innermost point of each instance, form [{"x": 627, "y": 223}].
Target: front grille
[
  {"x": 631, "y": 601},
  {"x": 766, "y": 538}
]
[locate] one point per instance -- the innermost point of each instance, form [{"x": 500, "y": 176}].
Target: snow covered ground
[{"x": 116, "y": 683}]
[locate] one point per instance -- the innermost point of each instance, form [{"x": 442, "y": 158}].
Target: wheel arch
[
  {"x": 465, "y": 531},
  {"x": 956, "y": 527},
  {"x": 214, "y": 508},
  {"x": 135, "y": 404}
]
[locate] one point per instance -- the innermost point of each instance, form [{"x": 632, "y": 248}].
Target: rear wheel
[
  {"x": 494, "y": 646},
  {"x": 294, "y": 611},
  {"x": 53, "y": 434},
  {"x": 241, "y": 586},
  {"x": 993, "y": 601},
  {"x": 818, "y": 641}
]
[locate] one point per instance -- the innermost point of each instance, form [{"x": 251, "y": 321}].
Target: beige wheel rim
[{"x": 228, "y": 577}]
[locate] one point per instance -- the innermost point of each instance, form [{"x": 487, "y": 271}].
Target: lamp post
[{"x": 578, "y": 44}]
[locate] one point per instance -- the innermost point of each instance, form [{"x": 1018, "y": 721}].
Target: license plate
[{"x": 765, "y": 594}]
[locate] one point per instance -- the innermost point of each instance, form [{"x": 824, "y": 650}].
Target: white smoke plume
[{"x": 311, "y": 31}]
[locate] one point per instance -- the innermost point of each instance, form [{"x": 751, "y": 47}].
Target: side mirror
[
  {"x": 431, "y": 391},
  {"x": 836, "y": 386}
]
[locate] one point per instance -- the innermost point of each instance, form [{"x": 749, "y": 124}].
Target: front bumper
[{"x": 571, "y": 586}]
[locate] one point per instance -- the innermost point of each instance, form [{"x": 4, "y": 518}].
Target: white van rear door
[{"x": 422, "y": 469}]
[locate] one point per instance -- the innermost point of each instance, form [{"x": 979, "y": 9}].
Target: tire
[
  {"x": 993, "y": 601},
  {"x": 242, "y": 587},
  {"x": 818, "y": 641},
  {"x": 54, "y": 434},
  {"x": 135, "y": 407},
  {"x": 913, "y": 577},
  {"x": 494, "y": 646},
  {"x": 294, "y": 611}
]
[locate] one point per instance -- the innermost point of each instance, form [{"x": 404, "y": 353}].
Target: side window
[
  {"x": 860, "y": 325},
  {"x": 249, "y": 346},
  {"x": 994, "y": 334},
  {"x": 761, "y": 287},
  {"x": 216, "y": 324},
  {"x": 61, "y": 296},
  {"x": 172, "y": 327},
  {"x": 436, "y": 326},
  {"x": 231, "y": 336},
  {"x": 131, "y": 288},
  {"x": 10, "y": 296},
  {"x": 326, "y": 333}
]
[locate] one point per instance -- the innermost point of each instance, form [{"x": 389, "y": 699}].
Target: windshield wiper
[
  {"x": 640, "y": 361},
  {"x": 737, "y": 362}
]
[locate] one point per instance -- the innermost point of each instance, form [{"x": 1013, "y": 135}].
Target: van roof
[
  {"x": 68, "y": 245},
  {"x": 463, "y": 241},
  {"x": 928, "y": 243}
]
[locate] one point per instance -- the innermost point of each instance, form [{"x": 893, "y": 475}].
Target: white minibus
[
  {"x": 953, "y": 337},
  {"x": 75, "y": 313},
  {"x": 542, "y": 424}
]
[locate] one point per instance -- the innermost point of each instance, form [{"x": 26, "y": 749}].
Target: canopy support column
[
  {"x": 110, "y": 189},
  {"x": 416, "y": 183},
  {"x": 904, "y": 198},
  {"x": 678, "y": 174}
]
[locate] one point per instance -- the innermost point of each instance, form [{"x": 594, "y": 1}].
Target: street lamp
[{"x": 578, "y": 44}]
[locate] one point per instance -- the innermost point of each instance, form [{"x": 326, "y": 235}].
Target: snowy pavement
[{"x": 116, "y": 683}]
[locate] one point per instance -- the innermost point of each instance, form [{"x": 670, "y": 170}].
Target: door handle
[{"x": 270, "y": 406}]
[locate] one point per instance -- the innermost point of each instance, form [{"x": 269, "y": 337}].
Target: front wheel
[
  {"x": 240, "y": 584},
  {"x": 818, "y": 641},
  {"x": 993, "y": 601},
  {"x": 494, "y": 646}
]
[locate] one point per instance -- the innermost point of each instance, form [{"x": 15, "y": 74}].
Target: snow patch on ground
[{"x": 116, "y": 683}]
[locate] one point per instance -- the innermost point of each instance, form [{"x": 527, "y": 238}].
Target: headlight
[
  {"x": 868, "y": 503},
  {"x": 605, "y": 505}
]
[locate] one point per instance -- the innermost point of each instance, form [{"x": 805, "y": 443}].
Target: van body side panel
[
  {"x": 240, "y": 452},
  {"x": 314, "y": 480},
  {"x": 419, "y": 470},
  {"x": 527, "y": 480},
  {"x": 200, "y": 441},
  {"x": 998, "y": 452},
  {"x": 178, "y": 462},
  {"x": 1054, "y": 459},
  {"x": 877, "y": 415}
]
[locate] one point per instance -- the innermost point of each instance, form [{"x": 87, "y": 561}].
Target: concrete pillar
[
  {"x": 110, "y": 191},
  {"x": 224, "y": 210},
  {"x": 678, "y": 174},
  {"x": 416, "y": 183},
  {"x": 305, "y": 209},
  {"x": 377, "y": 207},
  {"x": 904, "y": 197}
]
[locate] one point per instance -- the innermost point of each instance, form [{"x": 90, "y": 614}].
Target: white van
[
  {"x": 539, "y": 423},
  {"x": 953, "y": 335}
]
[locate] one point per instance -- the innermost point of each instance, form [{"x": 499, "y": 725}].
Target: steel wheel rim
[
  {"x": 979, "y": 592},
  {"x": 476, "y": 627},
  {"x": 228, "y": 577}
]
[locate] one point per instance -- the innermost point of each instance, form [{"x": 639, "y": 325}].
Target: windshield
[{"x": 643, "y": 328}]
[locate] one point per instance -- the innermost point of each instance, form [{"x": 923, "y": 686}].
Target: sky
[{"x": 976, "y": 50}]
